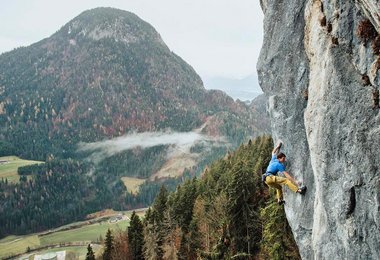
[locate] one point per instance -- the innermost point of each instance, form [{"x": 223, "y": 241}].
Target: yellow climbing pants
[{"x": 276, "y": 182}]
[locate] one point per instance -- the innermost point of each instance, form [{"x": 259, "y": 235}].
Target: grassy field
[
  {"x": 175, "y": 166},
  {"x": 8, "y": 169},
  {"x": 85, "y": 233},
  {"x": 132, "y": 184},
  {"x": 17, "y": 244}
]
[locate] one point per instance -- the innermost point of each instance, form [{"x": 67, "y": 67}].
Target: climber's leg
[
  {"x": 271, "y": 182},
  {"x": 285, "y": 181}
]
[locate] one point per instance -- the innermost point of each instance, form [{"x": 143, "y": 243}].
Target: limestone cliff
[{"x": 319, "y": 68}]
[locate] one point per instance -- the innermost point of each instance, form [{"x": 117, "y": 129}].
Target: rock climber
[{"x": 271, "y": 178}]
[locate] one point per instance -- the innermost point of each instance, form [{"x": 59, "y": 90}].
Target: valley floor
[{"x": 72, "y": 238}]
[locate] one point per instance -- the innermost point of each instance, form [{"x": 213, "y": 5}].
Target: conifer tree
[
  {"x": 90, "y": 253},
  {"x": 193, "y": 239},
  {"x": 189, "y": 243},
  {"x": 150, "y": 248},
  {"x": 243, "y": 220},
  {"x": 159, "y": 204},
  {"x": 149, "y": 236},
  {"x": 183, "y": 252},
  {"x": 108, "y": 246},
  {"x": 171, "y": 244},
  {"x": 136, "y": 237},
  {"x": 148, "y": 217},
  {"x": 277, "y": 241},
  {"x": 159, "y": 208}
]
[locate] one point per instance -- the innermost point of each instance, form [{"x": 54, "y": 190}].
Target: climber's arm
[
  {"x": 287, "y": 175},
  {"x": 276, "y": 150}
]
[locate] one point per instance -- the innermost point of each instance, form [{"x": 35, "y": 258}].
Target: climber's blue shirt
[{"x": 275, "y": 166}]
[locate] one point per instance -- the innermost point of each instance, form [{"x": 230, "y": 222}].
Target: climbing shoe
[
  {"x": 280, "y": 202},
  {"x": 302, "y": 190}
]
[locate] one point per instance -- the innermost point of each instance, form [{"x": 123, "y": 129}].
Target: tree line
[
  {"x": 227, "y": 213},
  {"x": 59, "y": 192}
]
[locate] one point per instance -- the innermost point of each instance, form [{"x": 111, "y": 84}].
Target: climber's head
[{"x": 281, "y": 157}]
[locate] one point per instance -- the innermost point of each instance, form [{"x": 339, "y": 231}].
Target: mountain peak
[{"x": 111, "y": 23}]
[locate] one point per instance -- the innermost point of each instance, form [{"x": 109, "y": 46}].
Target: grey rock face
[{"x": 319, "y": 78}]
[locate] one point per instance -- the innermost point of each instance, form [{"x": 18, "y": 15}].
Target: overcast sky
[{"x": 219, "y": 38}]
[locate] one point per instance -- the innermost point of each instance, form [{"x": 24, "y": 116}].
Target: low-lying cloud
[{"x": 179, "y": 143}]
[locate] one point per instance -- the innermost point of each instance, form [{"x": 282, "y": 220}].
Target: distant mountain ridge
[{"x": 246, "y": 88}]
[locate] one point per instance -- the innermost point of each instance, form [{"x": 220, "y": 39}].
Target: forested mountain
[
  {"x": 103, "y": 74},
  {"x": 227, "y": 213}
]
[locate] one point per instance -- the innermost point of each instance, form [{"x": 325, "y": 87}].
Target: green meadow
[
  {"x": 18, "y": 244},
  {"x": 9, "y": 166},
  {"x": 86, "y": 233}
]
